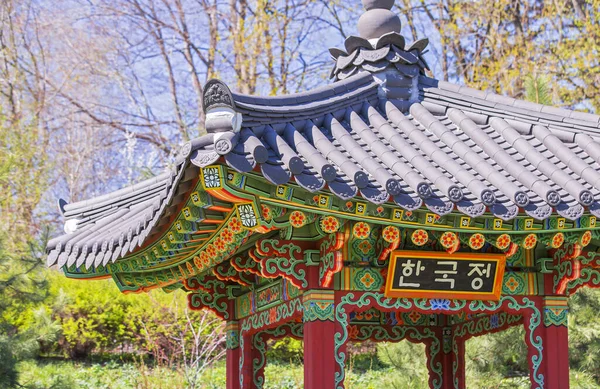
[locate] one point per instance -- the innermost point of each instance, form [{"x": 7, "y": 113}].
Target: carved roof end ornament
[
  {"x": 222, "y": 122},
  {"x": 219, "y": 108}
]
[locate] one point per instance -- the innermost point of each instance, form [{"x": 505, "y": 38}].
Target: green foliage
[
  {"x": 288, "y": 349},
  {"x": 584, "y": 333},
  {"x": 409, "y": 358},
  {"x": 537, "y": 89},
  {"x": 499, "y": 355}
]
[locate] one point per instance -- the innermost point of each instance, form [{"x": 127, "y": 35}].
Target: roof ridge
[{"x": 323, "y": 92}]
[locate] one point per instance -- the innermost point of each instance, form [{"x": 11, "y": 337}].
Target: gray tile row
[{"x": 454, "y": 149}]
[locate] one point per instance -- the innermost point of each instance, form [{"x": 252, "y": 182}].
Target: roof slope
[{"x": 453, "y": 148}]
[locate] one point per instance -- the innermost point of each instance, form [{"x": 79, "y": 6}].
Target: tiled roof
[
  {"x": 102, "y": 229},
  {"x": 453, "y": 148}
]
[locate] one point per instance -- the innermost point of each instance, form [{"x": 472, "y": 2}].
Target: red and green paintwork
[{"x": 278, "y": 261}]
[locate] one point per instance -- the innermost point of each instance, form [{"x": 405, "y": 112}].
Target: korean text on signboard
[{"x": 466, "y": 276}]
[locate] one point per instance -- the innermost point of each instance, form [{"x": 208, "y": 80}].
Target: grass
[{"x": 54, "y": 374}]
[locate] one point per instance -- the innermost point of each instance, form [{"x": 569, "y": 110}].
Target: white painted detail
[
  {"x": 220, "y": 113},
  {"x": 71, "y": 226}
]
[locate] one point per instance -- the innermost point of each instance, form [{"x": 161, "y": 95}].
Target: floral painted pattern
[
  {"x": 512, "y": 284},
  {"x": 219, "y": 245},
  {"x": 235, "y": 226},
  {"x": 266, "y": 212},
  {"x": 557, "y": 240},
  {"x": 365, "y": 246},
  {"x": 391, "y": 234},
  {"x": 330, "y": 224},
  {"x": 448, "y": 239},
  {"x": 352, "y": 332},
  {"x": 227, "y": 235},
  {"x": 414, "y": 316},
  {"x": 530, "y": 241},
  {"x": 198, "y": 263},
  {"x": 586, "y": 238},
  {"x": 503, "y": 241},
  {"x": 476, "y": 241},
  {"x": 205, "y": 259},
  {"x": 367, "y": 280},
  {"x": 419, "y": 237},
  {"x": 297, "y": 219},
  {"x": 440, "y": 304},
  {"x": 211, "y": 250},
  {"x": 361, "y": 230}
]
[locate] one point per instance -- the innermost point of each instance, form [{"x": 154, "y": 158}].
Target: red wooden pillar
[
  {"x": 232, "y": 360},
  {"x": 459, "y": 359},
  {"x": 233, "y": 368},
  {"x": 555, "y": 342},
  {"x": 319, "y": 346},
  {"x": 248, "y": 354},
  {"x": 449, "y": 355}
]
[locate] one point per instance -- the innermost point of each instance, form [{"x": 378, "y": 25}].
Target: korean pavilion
[{"x": 384, "y": 206}]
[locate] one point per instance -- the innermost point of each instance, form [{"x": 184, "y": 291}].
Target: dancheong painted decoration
[{"x": 384, "y": 206}]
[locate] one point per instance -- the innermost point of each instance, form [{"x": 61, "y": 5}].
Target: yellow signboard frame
[{"x": 500, "y": 259}]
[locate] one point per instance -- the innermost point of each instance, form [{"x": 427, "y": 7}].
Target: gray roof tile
[{"x": 457, "y": 147}]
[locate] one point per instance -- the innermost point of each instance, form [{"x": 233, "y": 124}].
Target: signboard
[{"x": 431, "y": 274}]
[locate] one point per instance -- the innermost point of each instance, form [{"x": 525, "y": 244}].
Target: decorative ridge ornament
[
  {"x": 219, "y": 107},
  {"x": 216, "y": 94},
  {"x": 380, "y": 48}
]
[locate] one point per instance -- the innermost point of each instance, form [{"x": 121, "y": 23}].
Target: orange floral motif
[
  {"x": 557, "y": 240},
  {"x": 419, "y": 237},
  {"x": 476, "y": 241},
  {"x": 190, "y": 268},
  {"x": 530, "y": 241},
  {"x": 219, "y": 245},
  {"x": 365, "y": 246},
  {"x": 211, "y": 250},
  {"x": 586, "y": 238},
  {"x": 198, "y": 263},
  {"x": 391, "y": 234},
  {"x": 205, "y": 259},
  {"x": 408, "y": 213},
  {"x": 352, "y": 332},
  {"x": 297, "y": 219},
  {"x": 503, "y": 241},
  {"x": 348, "y": 204},
  {"x": 414, "y": 316},
  {"x": 235, "y": 225},
  {"x": 367, "y": 280},
  {"x": 266, "y": 212},
  {"x": 448, "y": 239},
  {"x": 511, "y": 284},
  {"x": 380, "y": 209},
  {"x": 227, "y": 235},
  {"x": 361, "y": 230},
  {"x": 330, "y": 224}
]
